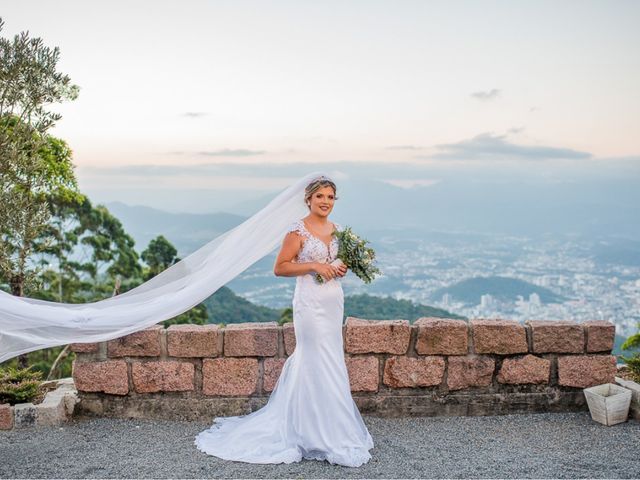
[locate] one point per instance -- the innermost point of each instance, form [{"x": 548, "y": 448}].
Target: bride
[{"x": 310, "y": 413}]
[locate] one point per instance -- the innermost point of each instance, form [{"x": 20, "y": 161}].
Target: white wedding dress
[{"x": 310, "y": 413}]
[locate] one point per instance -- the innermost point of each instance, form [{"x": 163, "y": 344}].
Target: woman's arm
[{"x": 284, "y": 267}]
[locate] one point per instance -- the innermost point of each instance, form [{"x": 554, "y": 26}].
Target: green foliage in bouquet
[
  {"x": 19, "y": 385},
  {"x": 633, "y": 362},
  {"x": 356, "y": 255}
]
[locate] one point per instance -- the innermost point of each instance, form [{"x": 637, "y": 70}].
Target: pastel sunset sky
[{"x": 173, "y": 88}]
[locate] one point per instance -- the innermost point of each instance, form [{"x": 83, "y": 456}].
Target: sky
[{"x": 188, "y": 95}]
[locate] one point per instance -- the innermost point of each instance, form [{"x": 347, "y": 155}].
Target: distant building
[
  {"x": 446, "y": 300},
  {"x": 534, "y": 299},
  {"x": 487, "y": 301}
]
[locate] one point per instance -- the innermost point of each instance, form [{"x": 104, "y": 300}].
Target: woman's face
[{"x": 321, "y": 198}]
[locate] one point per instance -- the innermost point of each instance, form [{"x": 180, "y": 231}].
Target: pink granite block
[
  {"x": 143, "y": 343},
  {"x": 187, "y": 340},
  {"x": 109, "y": 376},
  {"x": 6, "y": 417},
  {"x": 363, "y": 373},
  {"x": 162, "y": 376},
  {"x": 229, "y": 376},
  {"x": 272, "y": 371},
  {"x": 556, "y": 336},
  {"x": 499, "y": 336},
  {"x": 377, "y": 336},
  {"x": 289, "y": 337},
  {"x": 469, "y": 371},
  {"x": 84, "y": 347},
  {"x": 525, "y": 369},
  {"x": 441, "y": 336},
  {"x": 251, "y": 339},
  {"x": 586, "y": 370},
  {"x": 600, "y": 335},
  {"x": 401, "y": 371}
]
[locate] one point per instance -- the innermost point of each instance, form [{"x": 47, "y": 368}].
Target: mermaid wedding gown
[{"x": 310, "y": 413}]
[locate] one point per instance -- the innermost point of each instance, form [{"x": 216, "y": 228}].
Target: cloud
[
  {"x": 488, "y": 95},
  {"x": 194, "y": 114},
  {"x": 227, "y": 152},
  {"x": 223, "y": 168},
  {"x": 488, "y": 146},
  {"x": 412, "y": 182},
  {"x": 403, "y": 147}
]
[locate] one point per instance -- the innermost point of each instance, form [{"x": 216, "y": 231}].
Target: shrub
[
  {"x": 19, "y": 385},
  {"x": 633, "y": 362}
]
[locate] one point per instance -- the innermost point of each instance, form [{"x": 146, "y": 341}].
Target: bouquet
[{"x": 353, "y": 252}]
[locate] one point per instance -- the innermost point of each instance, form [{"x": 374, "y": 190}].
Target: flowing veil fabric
[{"x": 28, "y": 324}]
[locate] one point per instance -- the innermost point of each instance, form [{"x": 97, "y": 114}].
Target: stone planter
[
  {"x": 608, "y": 403},
  {"x": 634, "y": 408},
  {"x": 56, "y": 408}
]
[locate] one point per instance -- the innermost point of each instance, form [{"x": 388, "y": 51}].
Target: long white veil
[{"x": 28, "y": 324}]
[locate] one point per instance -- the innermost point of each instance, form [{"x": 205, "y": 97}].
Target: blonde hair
[{"x": 316, "y": 185}]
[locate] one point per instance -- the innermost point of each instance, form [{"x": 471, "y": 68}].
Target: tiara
[{"x": 321, "y": 177}]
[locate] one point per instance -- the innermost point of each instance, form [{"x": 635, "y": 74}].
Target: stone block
[
  {"x": 586, "y": 370},
  {"x": 377, "y": 336},
  {"x": 272, "y": 371},
  {"x": 84, "y": 347},
  {"x": 109, "y": 376},
  {"x": 52, "y": 411},
  {"x": 469, "y": 371},
  {"x": 289, "y": 337},
  {"x": 6, "y": 416},
  {"x": 441, "y": 336},
  {"x": 634, "y": 408},
  {"x": 525, "y": 369},
  {"x": 229, "y": 376},
  {"x": 400, "y": 371},
  {"x": 162, "y": 376},
  {"x": 363, "y": 373},
  {"x": 251, "y": 339},
  {"x": 143, "y": 343},
  {"x": 186, "y": 340},
  {"x": 499, "y": 336},
  {"x": 600, "y": 335},
  {"x": 556, "y": 336},
  {"x": 24, "y": 415}
]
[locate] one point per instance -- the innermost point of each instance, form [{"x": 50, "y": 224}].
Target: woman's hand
[{"x": 328, "y": 271}]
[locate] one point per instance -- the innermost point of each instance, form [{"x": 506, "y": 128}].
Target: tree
[
  {"x": 112, "y": 249},
  {"x": 286, "y": 316},
  {"x": 159, "y": 255},
  {"x": 34, "y": 167},
  {"x": 633, "y": 362},
  {"x": 88, "y": 251}
]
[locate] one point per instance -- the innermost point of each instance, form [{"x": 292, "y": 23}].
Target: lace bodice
[{"x": 313, "y": 249}]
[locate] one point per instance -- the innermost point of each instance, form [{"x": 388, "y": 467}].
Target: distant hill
[
  {"x": 227, "y": 307},
  {"x": 186, "y": 231},
  {"x": 502, "y": 288},
  {"x": 601, "y": 207},
  {"x": 386, "y": 308}
]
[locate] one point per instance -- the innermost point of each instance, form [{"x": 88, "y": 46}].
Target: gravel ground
[{"x": 546, "y": 445}]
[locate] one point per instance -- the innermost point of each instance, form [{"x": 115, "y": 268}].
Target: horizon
[{"x": 202, "y": 98}]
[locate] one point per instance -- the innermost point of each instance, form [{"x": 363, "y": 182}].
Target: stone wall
[{"x": 431, "y": 367}]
